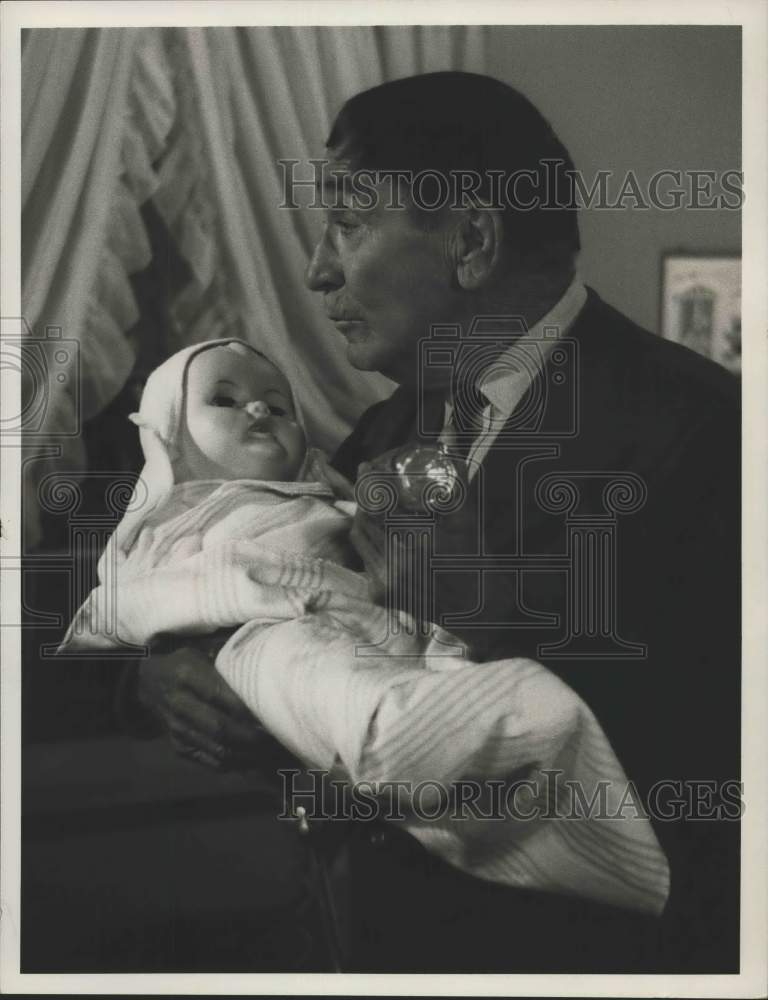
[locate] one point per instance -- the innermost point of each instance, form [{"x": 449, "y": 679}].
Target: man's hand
[{"x": 205, "y": 718}]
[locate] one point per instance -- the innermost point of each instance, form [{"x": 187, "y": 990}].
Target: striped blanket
[
  {"x": 375, "y": 699},
  {"x": 364, "y": 694}
]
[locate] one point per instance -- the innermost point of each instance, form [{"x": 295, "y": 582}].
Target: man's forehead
[{"x": 339, "y": 183}]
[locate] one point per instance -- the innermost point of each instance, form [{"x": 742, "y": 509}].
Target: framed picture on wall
[{"x": 701, "y": 305}]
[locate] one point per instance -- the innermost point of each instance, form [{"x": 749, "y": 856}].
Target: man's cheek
[{"x": 369, "y": 278}]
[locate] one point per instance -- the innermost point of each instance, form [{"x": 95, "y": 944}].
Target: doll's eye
[
  {"x": 223, "y": 400},
  {"x": 276, "y": 411}
]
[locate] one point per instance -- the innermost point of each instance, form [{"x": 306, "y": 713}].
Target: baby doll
[{"x": 231, "y": 513}]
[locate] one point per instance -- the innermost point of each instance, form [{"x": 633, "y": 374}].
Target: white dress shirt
[{"x": 506, "y": 379}]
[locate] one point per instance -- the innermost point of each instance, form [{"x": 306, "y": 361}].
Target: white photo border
[{"x": 753, "y": 16}]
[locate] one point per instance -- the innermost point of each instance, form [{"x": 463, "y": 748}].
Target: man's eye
[
  {"x": 347, "y": 225},
  {"x": 222, "y": 400},
  {"x": 277, "y": 411}
]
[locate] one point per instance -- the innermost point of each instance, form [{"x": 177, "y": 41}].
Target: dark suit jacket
[{"x": 669, "y": 418}]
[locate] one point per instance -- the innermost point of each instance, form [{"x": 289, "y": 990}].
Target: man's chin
[
  {"x": 361, "y": 357},
  {"x": 365, "y": 358}
]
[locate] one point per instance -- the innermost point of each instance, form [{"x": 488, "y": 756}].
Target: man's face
[{"x": 384, "y": 280}]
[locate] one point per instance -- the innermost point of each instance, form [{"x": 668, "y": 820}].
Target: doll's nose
[{"x": 257, "y": 409}]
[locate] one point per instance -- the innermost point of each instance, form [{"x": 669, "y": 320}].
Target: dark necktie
[
  {"x": 466, "y": 417},
  {"x": 431, "y": 415}
]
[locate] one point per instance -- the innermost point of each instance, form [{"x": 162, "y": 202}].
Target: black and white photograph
[{"x": 383, "y": 515}]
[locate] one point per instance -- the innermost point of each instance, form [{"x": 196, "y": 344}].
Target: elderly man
[{"x": 564, "y": 391}]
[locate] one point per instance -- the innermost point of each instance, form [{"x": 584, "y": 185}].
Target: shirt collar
[{"x": 506, "y": 383}]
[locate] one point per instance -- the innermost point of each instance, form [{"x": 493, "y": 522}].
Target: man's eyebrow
[
  {"x": 225, "y": 381},
  {"x": 338, "y": 184}
]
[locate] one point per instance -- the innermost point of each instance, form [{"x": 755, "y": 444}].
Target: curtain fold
[{"x": 87, "y": 148}]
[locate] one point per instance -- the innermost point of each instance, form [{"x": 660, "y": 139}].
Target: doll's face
[{"x": 239, "y": 420}]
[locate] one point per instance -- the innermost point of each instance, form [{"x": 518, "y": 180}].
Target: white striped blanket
[
  {"x": 398, "y": 710},
  {"x": 404, "y": 711},
  {"x": 214, "y": 556}
]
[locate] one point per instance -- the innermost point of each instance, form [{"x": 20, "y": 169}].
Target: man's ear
[{"x": 478, "y": 239}]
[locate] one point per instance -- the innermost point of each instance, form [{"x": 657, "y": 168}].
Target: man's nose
[
  {"x": 257, "y": 409},
  {"x": 324, "y": 272}
]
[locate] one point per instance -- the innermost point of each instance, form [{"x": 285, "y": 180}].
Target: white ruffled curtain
[
  {"x": 96, "y": 112},
  {"x": 197, "y": 120}
]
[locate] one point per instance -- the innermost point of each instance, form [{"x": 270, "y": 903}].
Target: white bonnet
[{"x": 159, "y": 421}]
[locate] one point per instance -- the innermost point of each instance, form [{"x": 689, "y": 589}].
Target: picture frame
[{"x": 701, "y": 305}]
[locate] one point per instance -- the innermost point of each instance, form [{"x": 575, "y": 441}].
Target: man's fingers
[
  {"x": 263, "y": 752},
  {"x": 222, "y": 729},
  {"x": 207, "y": 722},
  {"x": 209, "y": 687},
  {"x": 184, "y": 733},
  {"x": 239, "y": 735},
  {"x": 233, "y": 706},
  {"x": 189, "y": 710},
  {"x": 197, "y": 755}
]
